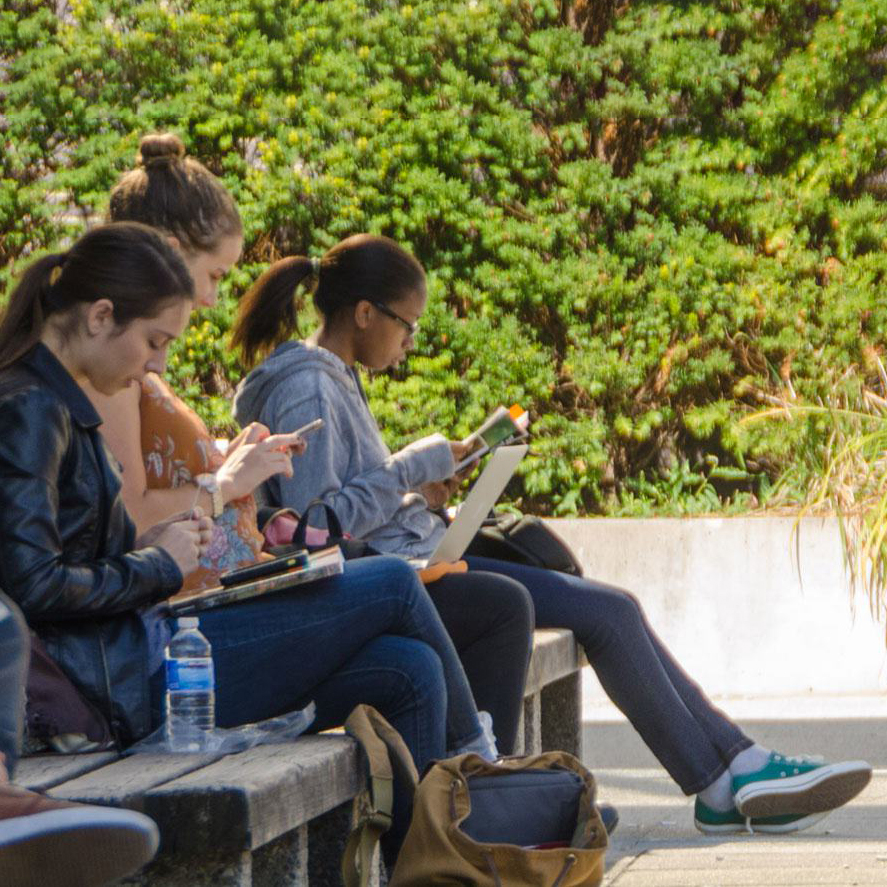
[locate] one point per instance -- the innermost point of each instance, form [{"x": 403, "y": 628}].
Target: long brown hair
[
  {"x": 364, "y": 266},
  {"x": 130, "y": 264},
  {"x": 176, "y": 193}
]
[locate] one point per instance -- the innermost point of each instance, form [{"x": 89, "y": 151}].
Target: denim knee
[
  {"x": 523, "y": 611},
  {"x": 421, "y": 672},
  {"x": 402, "y": 578},
  {"x": 618, "y": 611},
  {"x": 505, "y": 598}
]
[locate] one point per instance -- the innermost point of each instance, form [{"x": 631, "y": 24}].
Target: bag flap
[{"x": 437, "y": 850}]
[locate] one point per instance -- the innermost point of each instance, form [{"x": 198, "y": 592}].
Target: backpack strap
[
  {"x": 386, "y": 755},
  {"x": 332, "y": 523}
]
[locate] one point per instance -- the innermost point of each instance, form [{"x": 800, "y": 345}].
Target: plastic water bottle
[{"x": 190, "y": 689}]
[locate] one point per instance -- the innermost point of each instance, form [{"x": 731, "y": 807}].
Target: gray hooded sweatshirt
[{"x": 373, "y": 491}]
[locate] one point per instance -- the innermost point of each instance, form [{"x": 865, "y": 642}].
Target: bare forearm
[{"x": 151, "y": 507}]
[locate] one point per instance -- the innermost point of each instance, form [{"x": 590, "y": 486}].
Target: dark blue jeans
[
  {"x": 371, "y": 635},
  {"x": 13, "y": 671},
  {"x": 490, "y": 619},
  {"x": 692, "y": 739}
]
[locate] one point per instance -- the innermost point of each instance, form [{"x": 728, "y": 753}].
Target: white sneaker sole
[
  {"x": 74, "y": 847},
  {"x": 784, "y": 829},
  {"x": 816, "y": 791}
]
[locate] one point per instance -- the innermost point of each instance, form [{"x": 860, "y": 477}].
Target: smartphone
[
  {"x": 472, "y": 457},
  {"x": 311, "y": 426},
  {"x": 482, "y": 451},
  {"x": 265, "y": 568}
]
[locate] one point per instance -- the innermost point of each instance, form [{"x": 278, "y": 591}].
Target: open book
[{"x": 503, "y": 426}]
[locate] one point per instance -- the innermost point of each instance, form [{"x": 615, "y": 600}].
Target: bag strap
[
  {"x": 332, "y": 523},
  {"x": 266, "y": 514},
  {"x": 386, "y": 754}
]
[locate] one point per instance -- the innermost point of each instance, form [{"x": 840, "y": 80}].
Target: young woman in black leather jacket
[
  {"x": 68, "y": 552},
  {"x": 104, "y": 313}
]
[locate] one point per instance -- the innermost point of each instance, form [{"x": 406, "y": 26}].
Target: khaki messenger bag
[{"x": 521, "y": 822}]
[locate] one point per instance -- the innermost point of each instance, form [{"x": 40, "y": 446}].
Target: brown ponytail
[
  {"x": 130, "y": 264},
  {"x": 175, "y": 193},
  {"x": 27, "y": 308},
  {"x": 268, "y": 313},
  {"x": 364, "y": 266}
]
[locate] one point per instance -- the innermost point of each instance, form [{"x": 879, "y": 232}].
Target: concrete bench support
[
  {"x": 553, "y": 706},
  {"x": 561, "y": 704}
]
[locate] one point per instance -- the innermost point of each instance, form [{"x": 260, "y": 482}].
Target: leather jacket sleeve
[{"x": 52, "y": 578}]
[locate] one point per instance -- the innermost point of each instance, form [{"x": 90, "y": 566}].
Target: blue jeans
[
  {"x": 490, "y": 619},
  {"x": 370, "y": 636},
  {"x": 692, "y": 739},
  {"x": 13, "y": 672}
]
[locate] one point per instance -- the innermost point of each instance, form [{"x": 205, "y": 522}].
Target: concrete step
[
  {"x": 657, "y": 845},
  {"x": 840, "y": 728}
]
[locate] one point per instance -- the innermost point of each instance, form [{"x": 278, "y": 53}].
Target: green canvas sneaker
[
  {"x": 798, "y": 785},
  {"x": 731, "y": 822}
]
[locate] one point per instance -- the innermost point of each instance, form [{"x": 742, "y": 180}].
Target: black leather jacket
[{"x": 66, "y": 541}]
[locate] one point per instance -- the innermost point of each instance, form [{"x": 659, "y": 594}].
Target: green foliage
[
  {"x": 840, "y": 465},
  {"x": 637, "y": 231}
]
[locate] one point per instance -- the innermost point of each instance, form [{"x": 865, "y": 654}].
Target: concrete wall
[{"x": 739, "y": 610}]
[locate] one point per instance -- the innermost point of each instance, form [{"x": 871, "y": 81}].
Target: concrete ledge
[{"x": 746, "y": 608}]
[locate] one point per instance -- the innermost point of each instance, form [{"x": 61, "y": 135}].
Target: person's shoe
[
  {"x": 731, "y": 822},
  {"x": 44, "y": 841},
  {"x": 798, "y": 785},
  {"x": 609, "y": 817}
]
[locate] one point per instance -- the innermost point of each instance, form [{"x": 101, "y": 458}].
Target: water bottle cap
[{"x": 188, "y": 622}]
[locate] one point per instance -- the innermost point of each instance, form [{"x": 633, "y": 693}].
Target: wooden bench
[{"x": 276, "y": 814}]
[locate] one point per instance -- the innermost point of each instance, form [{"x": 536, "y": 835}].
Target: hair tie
[
  {"x": 54, "y": 275},
  {"x": 315, "y": 266}
]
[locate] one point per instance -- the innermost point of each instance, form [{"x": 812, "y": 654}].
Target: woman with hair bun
[
  {"x": 179, "y": 196},
  {"x": 371, "y": 635}
]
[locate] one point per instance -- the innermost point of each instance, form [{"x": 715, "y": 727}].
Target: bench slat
[
  {"x": 555, "y": 655},
  {"x": 43, "y": 772},
  {"x": 216, "y": 806},
  {"x": 124, "y": 782},
  {"x": 246, "y": 800}
]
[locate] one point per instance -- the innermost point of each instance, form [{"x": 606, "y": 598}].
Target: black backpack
[{"x": 524, "y": 539}]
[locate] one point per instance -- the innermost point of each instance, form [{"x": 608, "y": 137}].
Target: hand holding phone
[
  {"x": 309, "y": 427},
  {"x": 472, "y": 458},
  {"x": 295, "y": 441}
]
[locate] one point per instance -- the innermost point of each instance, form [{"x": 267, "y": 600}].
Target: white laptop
[{"x": 473, "y": 511}]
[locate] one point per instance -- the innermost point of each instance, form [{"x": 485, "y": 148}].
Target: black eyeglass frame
[{"x": 411, "y": 328}]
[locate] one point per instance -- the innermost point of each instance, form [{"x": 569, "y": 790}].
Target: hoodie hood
[
  {"x": 375, "y": 494},
  {"x": 287, "y": 362}
]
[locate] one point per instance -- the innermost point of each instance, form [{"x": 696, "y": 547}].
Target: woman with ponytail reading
[{"x": 370, "y": 295}]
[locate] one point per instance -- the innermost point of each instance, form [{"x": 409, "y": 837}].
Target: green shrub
[{"x": 638, "y": 219}]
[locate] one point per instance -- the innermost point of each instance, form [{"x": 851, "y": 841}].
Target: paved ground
[{"x": 656, "y": 844}]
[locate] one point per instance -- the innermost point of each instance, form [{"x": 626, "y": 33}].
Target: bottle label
[{"x": 190, "y": 675}]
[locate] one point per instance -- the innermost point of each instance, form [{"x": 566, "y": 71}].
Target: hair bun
[{"x": 159, "y": 148}]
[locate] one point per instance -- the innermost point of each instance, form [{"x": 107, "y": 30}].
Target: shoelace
[{"x": 799, "y": 759}]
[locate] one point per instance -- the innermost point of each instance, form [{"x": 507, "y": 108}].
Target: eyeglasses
[{"x": 411, "y": 328}]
